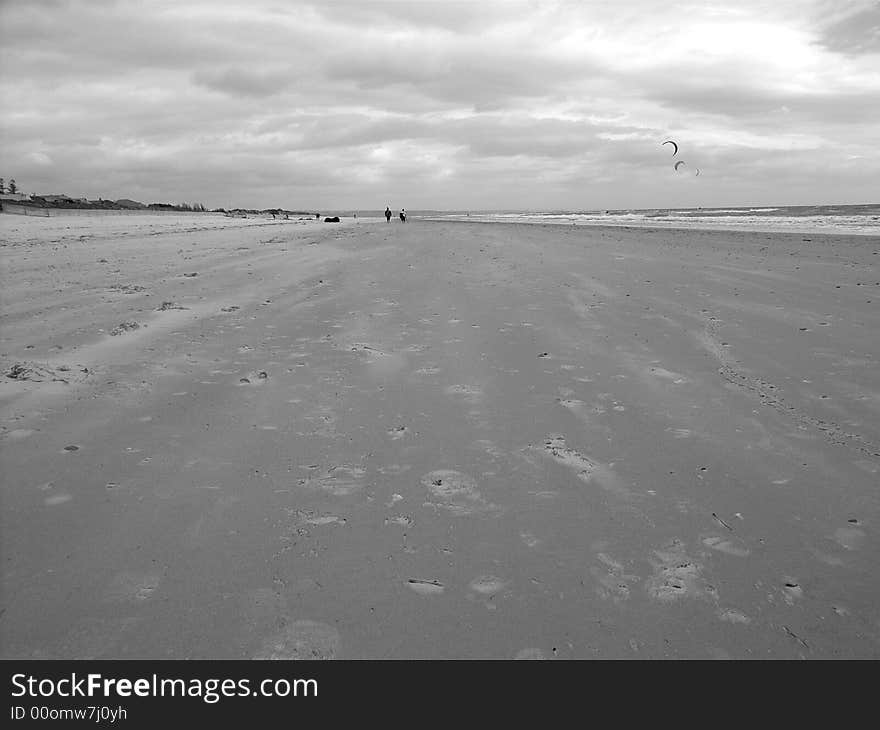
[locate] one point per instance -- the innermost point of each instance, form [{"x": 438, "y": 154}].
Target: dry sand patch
[{"x": 679, "y": 411}]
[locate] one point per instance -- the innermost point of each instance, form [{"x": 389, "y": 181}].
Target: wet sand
[{"x": 279, "y": 439}]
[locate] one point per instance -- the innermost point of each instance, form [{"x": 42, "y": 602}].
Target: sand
[{"x": 279, "y": 439}]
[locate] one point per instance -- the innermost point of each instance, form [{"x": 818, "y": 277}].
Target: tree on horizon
[
  {"x": 13, "y": 188},
  {"x": 2, "y": 186}
]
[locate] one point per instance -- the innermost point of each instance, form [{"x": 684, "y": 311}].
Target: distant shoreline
[
  {"x": 37, "y": 212},
  {"x": 43, "y": 212}
]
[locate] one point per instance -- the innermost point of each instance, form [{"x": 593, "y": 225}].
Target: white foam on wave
[{"x": 719, "y": 219}]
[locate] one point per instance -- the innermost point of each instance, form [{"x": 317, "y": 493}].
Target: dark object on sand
[
  {"x": 334, "y": 219},
  {"x": 123, "y": 327},
  {"x": 402, "y": 215},
  {"x": 256, "y": 376},
  {"x": 40, "y": 373}
]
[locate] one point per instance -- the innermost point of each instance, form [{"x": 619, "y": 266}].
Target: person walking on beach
[
  {"x": 387, "y": 214},
  {"x": 402, "y": 215}
]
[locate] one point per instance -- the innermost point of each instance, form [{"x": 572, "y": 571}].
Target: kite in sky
[{"x": 675, "y": 152}]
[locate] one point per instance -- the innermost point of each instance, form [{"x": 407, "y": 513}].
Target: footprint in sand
[
  {"x": 300, "y": 640},
  {"x": 255, "y": 377},
  {"x": 676, "y": 378},
  {"x": 613, "y": 579},
  {"x": 574, "y": 405},
  {"x": 677, "y": 575},
  {"x": 339, "y": 481},
  {"x": 470, "y": 393},
  {"x": 725, "y": 546},
  {"x": 310, "y": 517},
  {"x": 556, "y": 447},
  {"x": 586, "y": 469},
  {"x": 400, "y": 521},
  {"x": 398, "y": 432},
  {"x": 425, "y": 587},
  {"x": 850, "y": 537},
  {"x": 124, "y": 327},
  {"x": 427, "y": 371},
  {"x": 734, "y": 617},
  {"x": 129, "y": 586},
  {"x": 456, "y": 492},
  {"x": 486, "y": 587},
  {"x": 791, "y": 590}
]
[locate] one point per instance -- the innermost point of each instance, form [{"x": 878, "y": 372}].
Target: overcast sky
[{"x": 443, "y": 105}]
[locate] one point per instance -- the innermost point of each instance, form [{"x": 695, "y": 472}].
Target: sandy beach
[{"x": 246, "y": 438}]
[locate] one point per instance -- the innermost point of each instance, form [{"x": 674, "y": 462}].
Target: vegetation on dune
[{"x": 65, "y": 201}]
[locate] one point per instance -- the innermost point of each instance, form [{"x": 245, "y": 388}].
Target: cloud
[
  {"x": 501, "y": 104},
  {"x": 856, "y": 33},
  {"x": 244, "y": 82},
  {"x": 39, "y": 158}
]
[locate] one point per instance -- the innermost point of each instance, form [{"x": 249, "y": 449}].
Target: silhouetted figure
[
  {"x": 402, "y": 215},
  {"x": 387, "y": 214}
]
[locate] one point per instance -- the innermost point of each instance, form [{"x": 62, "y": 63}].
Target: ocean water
[{"x": 863, "y": 220}]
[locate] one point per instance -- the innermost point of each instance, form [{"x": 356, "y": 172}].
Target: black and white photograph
[{"x": 439, "y": 330}]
